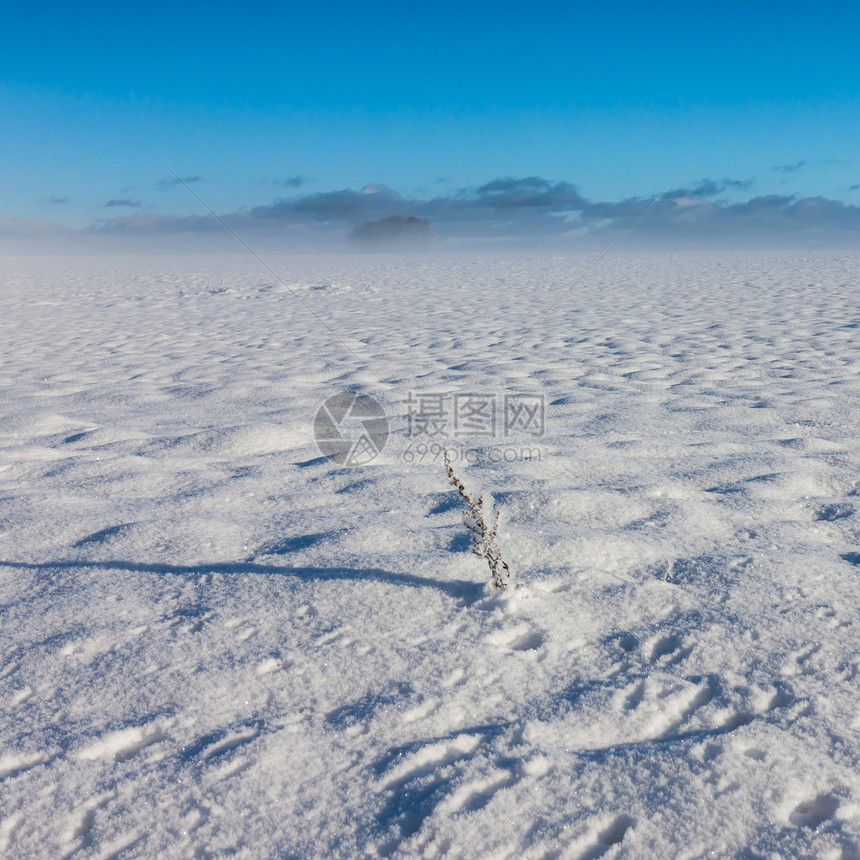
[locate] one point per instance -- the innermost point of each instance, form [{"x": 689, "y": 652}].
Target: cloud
[
  {"x": 19, "y": 228},
  {"x": 711, "y": 188},
  {"x": 373, "y": 202},
  {"x": 284, "y": 181},
  {"x": 376, "y": 188},
  {"x": 531, "y": 191},
  {"x": 153, "y": 223},
  {"x": 854, "y": 187},
  {"x": 536, "y": 209},
  {"x": 790, "y": 168},
  {"x": 764, "y": 221},
  {"x": 125, "y": 201},
  {"x": 57, "y": 200},
  {"x": 506, "y": 206},
  {"x": 173, "y": 181}
]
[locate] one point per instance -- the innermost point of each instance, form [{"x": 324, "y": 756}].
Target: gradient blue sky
[{"x": 615, "y": 98}]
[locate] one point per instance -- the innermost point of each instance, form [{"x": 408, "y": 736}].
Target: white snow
[{"x": 214, "y": 641}]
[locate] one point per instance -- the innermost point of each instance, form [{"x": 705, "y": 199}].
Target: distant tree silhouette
[{"x": 397, "y": 228}]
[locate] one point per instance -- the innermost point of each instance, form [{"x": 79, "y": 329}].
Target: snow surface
[{"x": 216, "y": 642}]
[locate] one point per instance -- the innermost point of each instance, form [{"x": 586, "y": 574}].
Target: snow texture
[{"x": 216, "y": 642}]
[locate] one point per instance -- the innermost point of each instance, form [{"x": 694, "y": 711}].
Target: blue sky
[{"x": 260, "y": 103}]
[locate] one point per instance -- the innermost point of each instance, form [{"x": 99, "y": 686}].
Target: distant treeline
[{"x": 396, "y": 228}]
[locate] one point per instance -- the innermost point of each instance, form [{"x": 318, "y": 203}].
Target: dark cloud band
[{"x": 533, "y": 208}]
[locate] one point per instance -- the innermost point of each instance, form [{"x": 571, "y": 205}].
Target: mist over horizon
[{"x": 509, "y": 213}]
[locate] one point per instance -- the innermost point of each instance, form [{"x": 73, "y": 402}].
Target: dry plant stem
[{"x": 484, "y": 533}]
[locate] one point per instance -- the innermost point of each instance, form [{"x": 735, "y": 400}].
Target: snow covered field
[{"x": 217, "y": 642}]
